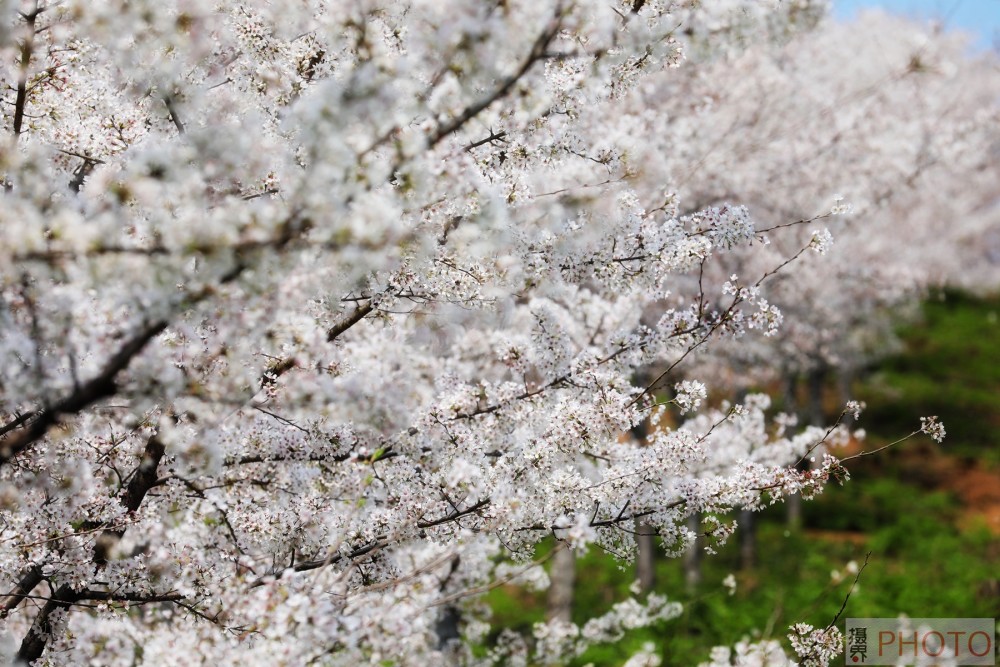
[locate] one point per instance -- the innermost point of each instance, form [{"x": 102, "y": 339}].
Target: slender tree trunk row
[{"x": 563, "y": 565}]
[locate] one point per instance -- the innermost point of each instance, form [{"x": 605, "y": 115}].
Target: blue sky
[{"x": 981, "y": 17}]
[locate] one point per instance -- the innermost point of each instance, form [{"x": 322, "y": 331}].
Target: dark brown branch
[
  {"x": 35, "y": 641},
  {"x": 263, "y": 193},
  {"x": 145, "y": 477},
  {"x": 278, "y": 418},
  {"x": 364, "y": 550},
  {"x": 263, "y": 458},
  {"x": 22, "y": 77},
  {"x": 457, "y": 514},
  {"x": 340, "y": 327},
  {"x": 305, "y": 566},
  {"x": 450, "y": 226},
  {"x": 652, "y": 386},
  {"x": 55, "y": 254},
  {"x": 538, "y": 52},
  {"x": 621, "y": 518},
  {"x": 135, "y": 598},
  {"x": 80, "y": 175},
  {"x": 172, "y": 111},
  {"x": 311, "y": 458},
  {"x": 276, "y": 243},
  {"x": 17, "y": 421},
  {"x": 804, "y": 221},
  {"x": 41, "y": 628},
  {"x": 101, "y": 386},
  {"x": 853, "y": 586},
  {"x": 27, "y": 584},
  {"x": 603, "y": 523},
  {"x": 494, "y": 136},
  {"x": 478, "y": 412},
  {"x": 85, "y": 158},
  {"x": 276, "y": 370},
  {"x": 143, "y": 480}
]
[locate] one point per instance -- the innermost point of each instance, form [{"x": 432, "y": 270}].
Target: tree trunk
[
  {"x": 815, "y": 411},
  {"x": 845, "y": 382},
  {"x": 748, "y": 539},
  {"x": 692, "y": 557},
  {"x": 562, "y": 579},
  {"x": 815, "y": 415},
  {"x": 449, "y": 636},
  {"x": 793, "y": 503},
  {"x": 645, "y": 563}
]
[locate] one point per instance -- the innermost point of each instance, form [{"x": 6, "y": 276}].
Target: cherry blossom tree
[
  {"x": 886, "y": 120},
  {"x": 319, "y": 317},
  {"x": 898, "y": 118}
]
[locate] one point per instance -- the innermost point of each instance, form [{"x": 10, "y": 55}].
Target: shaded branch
[
  {"x": 27, "y": 48},
  {"x": 494, "y": 136},
  {"x": 305, "y": 566},
  {"x": 457, "y": 514},
  {"x": 101, "y": 386},
  {"x": 172, "y": 111},
  {"x": 24, "y": 587},
  {"x": 135, "y": 598},
  {"x": 41, "y": 628},
  {"x": 340, "y": 327},
  {"x": 538, "y": 52},
  {"x": 17, "y": 421},
  {"x": 145, "y": 477}
]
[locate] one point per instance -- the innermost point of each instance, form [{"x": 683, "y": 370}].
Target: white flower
[
  {"x": 822, "y": 241},
  {"x": 690, "y": 394},
  {"x": 840, "y": 207},
  {"x": 932, "y": 427},
  {"x": 817, "y": 647}
]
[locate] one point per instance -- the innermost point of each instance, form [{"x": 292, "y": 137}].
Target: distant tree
[{"x": 891, "y": 122}]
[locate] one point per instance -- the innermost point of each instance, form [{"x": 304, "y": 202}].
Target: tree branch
[
  {"x": 27, "y": 584},
  {"x": 172, "y": 111},
  {"x": 41, "y": 628},
  {"x": 101, "y": 386},
  {"x": 457, "y": 514},
  {"x": 17, "y": 421},
  {"x": 305, "y": 566},
  {"x": 27, "y": 47},
  {"x": 340, "y": 327},
  {"x": 538, "y": 52},
  {"x": 145, "y": 477},
  {"x": 136, "y": 598}
]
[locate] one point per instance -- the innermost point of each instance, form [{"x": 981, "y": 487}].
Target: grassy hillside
[{"x": 950, "y": 367}]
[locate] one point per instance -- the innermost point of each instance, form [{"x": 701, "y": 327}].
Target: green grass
[
  {"x": 920, "y": 564},
  {"x": 950, "y": 367}
]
